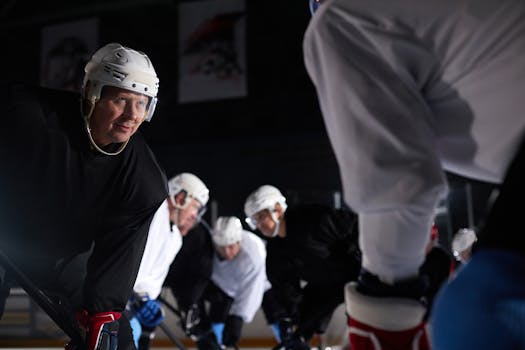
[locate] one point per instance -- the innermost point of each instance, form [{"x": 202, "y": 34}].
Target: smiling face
[{"x": 117, "y": 115}]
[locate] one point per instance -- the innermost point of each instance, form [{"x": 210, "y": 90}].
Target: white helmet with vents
[
  {"x": 265, "y": 197},
  {"x": 191, "y": 185},
  {"x": 122, "y": 67},
  {"x": 226, "y": 231}
]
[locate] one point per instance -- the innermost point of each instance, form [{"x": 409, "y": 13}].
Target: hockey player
[
  {"x": 186, "y": 203},
  {"x": 312, "y": 254},
  {"x": 238, "y": 281},
  {"x": 71, "y": 182},
  {"x": 193, "y": 285},
  {"x": 410, "y": 89},
  {"x": 188, "y": 279}
]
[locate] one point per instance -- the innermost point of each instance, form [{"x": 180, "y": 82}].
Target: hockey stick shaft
[
  {"x": 169, "y": 306},
  {"x": 49, "y": 307},
  {"x": 172, "y": 336}
]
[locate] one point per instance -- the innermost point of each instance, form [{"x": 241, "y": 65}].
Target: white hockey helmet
[
  {"x": 191, "y": 185},
  {"x": 226, "y": 231},
  {"x": 265, "y": 197},
  {"x": 122, "y": 67},
  {"x": 463, "y": 240}
]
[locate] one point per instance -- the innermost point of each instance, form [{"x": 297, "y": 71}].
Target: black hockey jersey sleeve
[
  {"x": 191, "y": 270},
  {"x": 320, "y": 248}
]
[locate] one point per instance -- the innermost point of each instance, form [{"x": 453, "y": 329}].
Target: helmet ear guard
[
  {"x": 186, "y": 201},
  {"x": 252, "y": 224},
  {"x": 193, "y": 187},
  {"x": 263, "y": 198},
  {"x": 122, "y": 67}
]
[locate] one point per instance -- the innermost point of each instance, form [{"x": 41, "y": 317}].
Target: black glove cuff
[{"x": 413, "y": 288}]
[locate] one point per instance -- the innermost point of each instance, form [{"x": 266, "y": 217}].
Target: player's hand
[
  {"x": 191, "y": 320},
  {"x": 290, "y": 340},
  {"x": 101, "y": 329},
  {"x": 147, "y": 311}
]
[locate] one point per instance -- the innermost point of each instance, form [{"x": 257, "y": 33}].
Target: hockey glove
[
  {"x": 289, "y": 339},
  {"x": 294, "y": 343},
  {"x": 190, "y": 321},
  {"x": 286, "y": 329},
  {"x": 101, "y": 329},
  {"x": 147, "y": 311}
]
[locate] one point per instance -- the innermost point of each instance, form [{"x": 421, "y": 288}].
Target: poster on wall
[
  {"x": 211, "y": 46},
  {"x": 65, "y": 49}
]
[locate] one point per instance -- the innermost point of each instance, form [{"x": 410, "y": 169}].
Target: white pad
[{"x": 390, "y": 314}]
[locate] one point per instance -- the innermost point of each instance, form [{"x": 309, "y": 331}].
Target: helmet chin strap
[
  {"x": 176, "y": 218},
  {"x": 178, "y": 208},
  {"x": 91, "y": 140},
  {"x": 277, "y": 224}
]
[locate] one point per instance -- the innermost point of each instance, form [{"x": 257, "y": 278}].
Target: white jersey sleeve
[
  {"x": 162, "y": 245},
  {"x": 243, "y": 278}
]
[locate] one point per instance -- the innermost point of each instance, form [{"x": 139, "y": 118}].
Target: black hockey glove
[
  {"x": 413, "y": 288},
  {"x": 290, "y": 340},
  {"x": 286, "y": 328},
  {"x": 190, "y": 321},
  {"x": 296, "y": 342}
]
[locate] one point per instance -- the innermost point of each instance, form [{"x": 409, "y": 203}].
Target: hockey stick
[
  {"x": 165, "y": 328},
  {"x": 169, "y": 306},
  {"x": 52, "y": 309},
  {"x": 206, "y": 225},
  {"x": 172, "y": 336}
]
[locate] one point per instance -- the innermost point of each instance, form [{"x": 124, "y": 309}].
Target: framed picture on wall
[
  {"x": 65, "y": 49},
  {"x": 212, "y": 50}
]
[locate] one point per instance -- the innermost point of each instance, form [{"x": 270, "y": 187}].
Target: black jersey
[
  {"x": 59, "y": 197},
  {"x": 320, "y": 248},
  {"x": 191, "y": 270}
]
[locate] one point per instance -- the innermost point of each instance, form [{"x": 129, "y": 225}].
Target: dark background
[{"x": 274, "y": 135}]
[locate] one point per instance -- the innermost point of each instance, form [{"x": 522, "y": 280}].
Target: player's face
[
  {"x": 187, "y": 217},
  {"x": 117, "y": 115},
  {"x": 265, "y": 222},
  {"x": 229, "y": 252}
]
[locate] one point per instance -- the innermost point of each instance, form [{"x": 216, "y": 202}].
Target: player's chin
[
  {"x": 185, "y": 228},
  {"x": 120, "y": 137},
  {"x": 266, "y": 233}
]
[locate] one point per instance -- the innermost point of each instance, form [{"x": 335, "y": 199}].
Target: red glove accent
[
  {"x": 366, "y": 337},
  {"x": 434, "y": 233},
  {"x": 381, "y": 323},
  {"x": 97, "y": 325}
]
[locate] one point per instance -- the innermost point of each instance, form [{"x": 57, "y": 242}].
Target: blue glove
[{"x": 147, "y": 311}]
